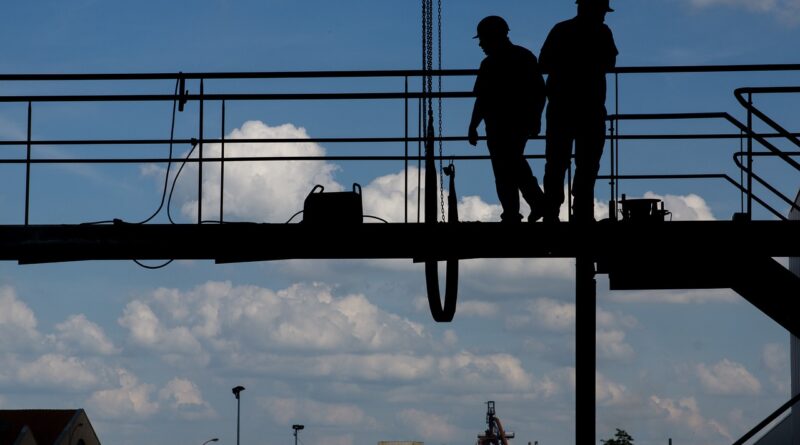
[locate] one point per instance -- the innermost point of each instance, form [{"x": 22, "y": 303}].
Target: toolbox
[{"x": 333, "y": 208}]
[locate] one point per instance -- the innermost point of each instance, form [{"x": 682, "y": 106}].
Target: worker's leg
[
  {"x": 558, "y": 157},
  {"x": 526, "y": 182},
  {"x": 588, "y": 150},
  {"x": 504, "y": 166}
]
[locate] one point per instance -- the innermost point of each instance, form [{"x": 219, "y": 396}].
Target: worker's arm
[
  {"x": 477, "y": 109},
  {"x": 477, "y": 117}
]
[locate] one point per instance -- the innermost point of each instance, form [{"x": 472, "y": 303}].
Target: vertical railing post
[
  {"x": 222, "y": 166},
  {"x": 28, "y": 166},
  {"x": 749, "y": 157},
  {"x": 405, "y": 169},
  {"x": 200, "y": 162},
  {"x": 615, "y": 149}
]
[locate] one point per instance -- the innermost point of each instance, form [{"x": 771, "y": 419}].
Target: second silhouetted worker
[{"x": 576, "y": 55}]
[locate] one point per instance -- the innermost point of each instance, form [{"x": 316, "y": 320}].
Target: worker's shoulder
[{"x": 521, "y": 51}]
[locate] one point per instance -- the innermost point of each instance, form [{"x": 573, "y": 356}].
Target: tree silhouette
[{"x": 620, "y": 438}]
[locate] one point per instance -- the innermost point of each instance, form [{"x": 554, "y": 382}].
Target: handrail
[
  {"x": 376, "y": 73},
  {"x": 753, "y": 431},
  {"x": 764, "y": 183},
  {"x": 739, "y": 92},
  {"x": 746, "y": 131},
  {"x": 774, "y": 151}
]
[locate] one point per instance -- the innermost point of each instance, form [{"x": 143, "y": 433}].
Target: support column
[{"x": 585, "y": 350}]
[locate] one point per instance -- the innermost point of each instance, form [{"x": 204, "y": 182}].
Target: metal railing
[{"x": 743, "y": 160}]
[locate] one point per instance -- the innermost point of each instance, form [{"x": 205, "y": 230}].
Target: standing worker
[
  {"x": 576, "y": 55},
  {"x": 509, "y": 99}
]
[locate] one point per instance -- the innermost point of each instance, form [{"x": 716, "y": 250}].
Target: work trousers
[
  {"x": 587, "y": 132},
  {"x": 512, "y": 174}
]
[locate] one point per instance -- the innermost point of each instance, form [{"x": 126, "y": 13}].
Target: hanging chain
[{"x": 441, "y": 156}]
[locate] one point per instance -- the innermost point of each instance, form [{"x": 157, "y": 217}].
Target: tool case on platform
[{"x": 333, "y": 208}]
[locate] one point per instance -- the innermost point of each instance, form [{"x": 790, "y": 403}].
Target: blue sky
[{"x": 348, "y": 348}]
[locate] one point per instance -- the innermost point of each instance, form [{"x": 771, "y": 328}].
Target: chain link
[{"x": 441, "y": 157}]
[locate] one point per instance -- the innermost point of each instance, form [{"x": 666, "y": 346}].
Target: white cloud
[
  {"x": 689, "y": 207},
  {"x": 727, "y": 378},
  {"x": 301, "y": 317},
  {"x": 686, "y": 413},
  {"x": 78, "y": 332},
  {"x": 146, "y": 330},
  {"x": 429, "y": 426},
  {"x": 17, "y": 323},
  {"x": 59, "y": 372},
  {"x": 607, "y": 320},
  {"x": 547, "y": 314},
  {"x": 610, "y": 393},
  {"x": 130, "y": 399},
  {"x": 611, "y": 345},
  {"x": 695, "y": 296},
  {"x": 260, "y": 191},
  {"x": 470, "y": 369},
  {"x": 288, "y": 410},
  {"x": 183, "y": 397}
]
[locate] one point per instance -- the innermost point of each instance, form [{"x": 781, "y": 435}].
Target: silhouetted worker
[
  {"x": 576, "y": 55},
  {"x": 509, "y": 99}
]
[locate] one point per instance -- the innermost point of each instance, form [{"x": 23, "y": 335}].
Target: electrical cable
[
  {"x": 376, "y": 217},
  {"x": 290, "y": 219},
  {"x": 165, "y": 264},
  {"x": 175, "y": 180},
  {"x": 169, "y": 158}
]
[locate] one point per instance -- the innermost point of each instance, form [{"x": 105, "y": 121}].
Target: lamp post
[
  {"x": 211, "y": 440},
  {"x": 296, "y": 428},
  {"x": 236, "y": 392}
]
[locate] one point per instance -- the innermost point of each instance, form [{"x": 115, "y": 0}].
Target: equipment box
[{"x": 333, "y": 208}]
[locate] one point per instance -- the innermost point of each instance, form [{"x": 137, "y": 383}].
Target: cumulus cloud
[
  {"x": 727, "y": 378},
  {"x": 689, "y": 207},
  {"x": 84, "y": 336},
  {"x": 553, "y": 315},
  {"x": 428, "y": 426},
  {"x": 184, "y": 398},
  {"x": 129, "y": 399},
  {"x": 288, "y": 410},
  {"x": 545, "y": 314},
  {"x": 147, "y": 331},
  {"x": 301, "y": 317},
  {"x": 260, "y": 191},
  {"x": 608, "y": 320},
  {"x": 17, "y": 323},
  {"x": 58, "y": 371},
  {"x": 609, "y": 393},
  {"x": 686, "y": 413},
  {"x": 611, "y": 345}
]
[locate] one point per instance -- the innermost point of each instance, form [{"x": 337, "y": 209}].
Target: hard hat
[
  {"x": 599, "y": 3},
  {"x": 492, "y": 25}
]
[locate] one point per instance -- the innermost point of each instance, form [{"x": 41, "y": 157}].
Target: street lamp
[
  {"x": 211, "y": 440},
  {"x": 236, "y": 392},
  {"x": 296, "y": 428}
]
